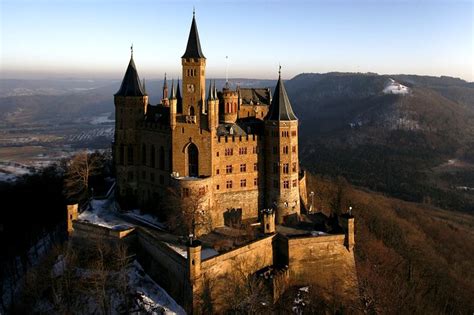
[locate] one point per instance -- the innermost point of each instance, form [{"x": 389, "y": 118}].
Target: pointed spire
[
  {"x": 144, "y": 87},
  {"x": 193, "y": 48},
  {"x": 215, "y": 90},
  {"x": 173, "y": 91},
  {"x": 179, "y": 99},
  {"x": 131, "y": 84},
  {"x": 280, "y": 109},
  {"x": 210, "y": 96},
  {"x": 165, "y": 84}
]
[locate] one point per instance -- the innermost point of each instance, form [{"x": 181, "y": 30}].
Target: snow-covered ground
[
  {"x": 181, "y": 249},
  {"x": 10, "y": 171},
  {"x": 394, "y": 87},
  {"x": 102, "y": 213}
]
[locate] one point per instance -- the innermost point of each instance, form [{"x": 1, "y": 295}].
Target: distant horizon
[{"x": 92, "y": 39}]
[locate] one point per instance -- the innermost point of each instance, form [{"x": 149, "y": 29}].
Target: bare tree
[
  {"x": 188, "y": 211},
  {"x": 81, "y": 167}
]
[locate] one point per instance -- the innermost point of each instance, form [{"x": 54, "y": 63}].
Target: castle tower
[
  {"x": 165, "y": 100},
  {"x": 173, "y": 106},
  {"x": 194, "y": 82},
  {"x": 281, "y": 149},
  {"x": 131, "y": 102},
  {"x": 213, "y": 108},
  {"x": 230, "y": 101}
]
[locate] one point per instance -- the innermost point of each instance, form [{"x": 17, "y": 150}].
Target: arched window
[
  {"x": 162, "y": 159},
  {"x": 193, "y": 160},
  {"x": 152, "y": 156},
  {"x": 143, "y": 154},
  {"x": 191, "y": 110}
]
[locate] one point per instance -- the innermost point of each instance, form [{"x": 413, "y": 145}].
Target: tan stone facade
[{"x": 222, "y": 141}]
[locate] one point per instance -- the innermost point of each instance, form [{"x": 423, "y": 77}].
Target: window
[
  {"x": 275, "y": 184},
  {"x": 275, "y": 168},
  {"x": 243, "y": 167},
  {"x": 122, "y": 154},
  {"x": 293, "y": 133},
  {"x": 228, "y": 184},
  {"x": 293, "y": 149},
  {"x": 130, "y": 155},
  {"x": 286, "y": 184},
  {"x": 255, "y": 150},
  {"x": 243, "y": 183},
  {"x": 242, "y": 151},
  {"x": 285, "y": 149},
  {"x": 285, "y": 134},
  {"x": 228, "y": 151},
  {"x": 202, "y": 191},
  {"x": 185, "y": 192},
  {"x": 255, "y": 181},
  {"x": 152, "y": 156},
  {"x": 286, "y": 168},
  {"x": 228, "y": 169},
  {"x": 217, "y": 153},
  {"x": 293, "y": 167},
  {"x": 255, "y": 166},
  {"x": 143, "y": 154},
  {"x": 295, "y": 183},
  {"x": 161, "y": 162},
  {"x": 217, "y": 187},
  {"x": 217, "y": 171},
  {"x": 275, "y": 150}
]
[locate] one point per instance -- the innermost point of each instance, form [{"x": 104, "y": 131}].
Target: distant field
[{"x": 31, "y": 155}]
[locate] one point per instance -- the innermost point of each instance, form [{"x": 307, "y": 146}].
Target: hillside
[{"x": 411, "y": 258}]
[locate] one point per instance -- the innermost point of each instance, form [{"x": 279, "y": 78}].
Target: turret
[
  {"x": 213, "y": 108},
  {"x": 268, "y": 221},
  {"x": 165, "y": 100},
  {"x": 281, "y": 146},
  {"x": 173, "y": 106},
  {"x": 194, "y": 260},
  {"x": 131, "y": 102},
  {"x": 230, "y": 101}
]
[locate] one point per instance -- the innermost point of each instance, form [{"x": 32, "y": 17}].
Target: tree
[
  {"x": 81, "y": 167},
  {"x": 187, "y": 211}
]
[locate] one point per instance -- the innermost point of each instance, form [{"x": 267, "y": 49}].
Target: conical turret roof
[
  {"x": 193, "y": 49},
  {"x": 280, "y": 108},
  {"x": 131, "y": 84}
]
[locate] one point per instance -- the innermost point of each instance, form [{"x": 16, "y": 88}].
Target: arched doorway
[{"x": 193, "y": 160}]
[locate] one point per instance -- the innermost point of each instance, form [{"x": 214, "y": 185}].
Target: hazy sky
[{"x": 92, "y": 38}]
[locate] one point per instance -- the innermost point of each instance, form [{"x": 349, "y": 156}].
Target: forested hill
[{"x": 409, "y": 136}]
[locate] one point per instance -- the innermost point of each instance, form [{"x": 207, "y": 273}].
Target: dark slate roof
[
  {"x": 255, "y": 96},
  {"x": 280, "y": 109},
  {"x": 131, "y": 84},
  {"x": 243, "y": 127},
  {"x": 193, "y": 49},
  {"x": 158, "y": 114}
]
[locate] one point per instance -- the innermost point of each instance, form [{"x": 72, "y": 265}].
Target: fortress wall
[
  {"x": 223, "y": 270},
  {"x": 92, "y": 231},
  {"x": 323, "y": 261},
  {"x": 164, "y": 265},
  {"x": 249, "y": 201}
]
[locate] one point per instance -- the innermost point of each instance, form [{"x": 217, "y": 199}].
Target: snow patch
[{"x": 394, "y": 87}]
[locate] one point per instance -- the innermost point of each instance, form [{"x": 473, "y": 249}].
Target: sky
[{"x": 92, "y": 39}]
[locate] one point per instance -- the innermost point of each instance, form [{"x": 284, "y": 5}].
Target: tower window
[
  {"x": 285, "y": 134},
  {"x": 285, "y": 149},
  {"x": 295, "y": 183},
  {"x": 243, "y": 167},
  {"x": 255, "y": 181},
  {"x": 228, "y": 184},
  {"x": 217, "y": 187},
  {"x": 228, "y": 169},
  {"x": 228, "y": 151},
  {"x": 286, "y": 184},
  {"x": 293, "y": 167},
  {"x": 293, "y": 149},
  {"x": 255, "y": 166},
  {"x": 243, "y": 183},
  {"x": 217, "y": 171},
  {"x": 242, "y": 151},
  {"x": 286, "y": 168},
  {"x": 293, "y": 133}
]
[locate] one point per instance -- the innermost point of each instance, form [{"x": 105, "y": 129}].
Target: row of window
[
  {"x": 146, "y": 156},
  {"x": 284, "y": 134},
  {"x": 285, "y": 167},
  {"x": 243, "y": 168},
  {"x": 201, "y": 191},
  {"x": 242, "y": 151},
  {"x": 191, "y": 72},
  {"x": 243, "y": 183},
  {"x": 286, "y": 184},
  {"x": 161, "y": 178},
  {"x": 285, "y": 149}
]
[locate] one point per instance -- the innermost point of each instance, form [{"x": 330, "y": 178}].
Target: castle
[{"x": 239, "y": 146}]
